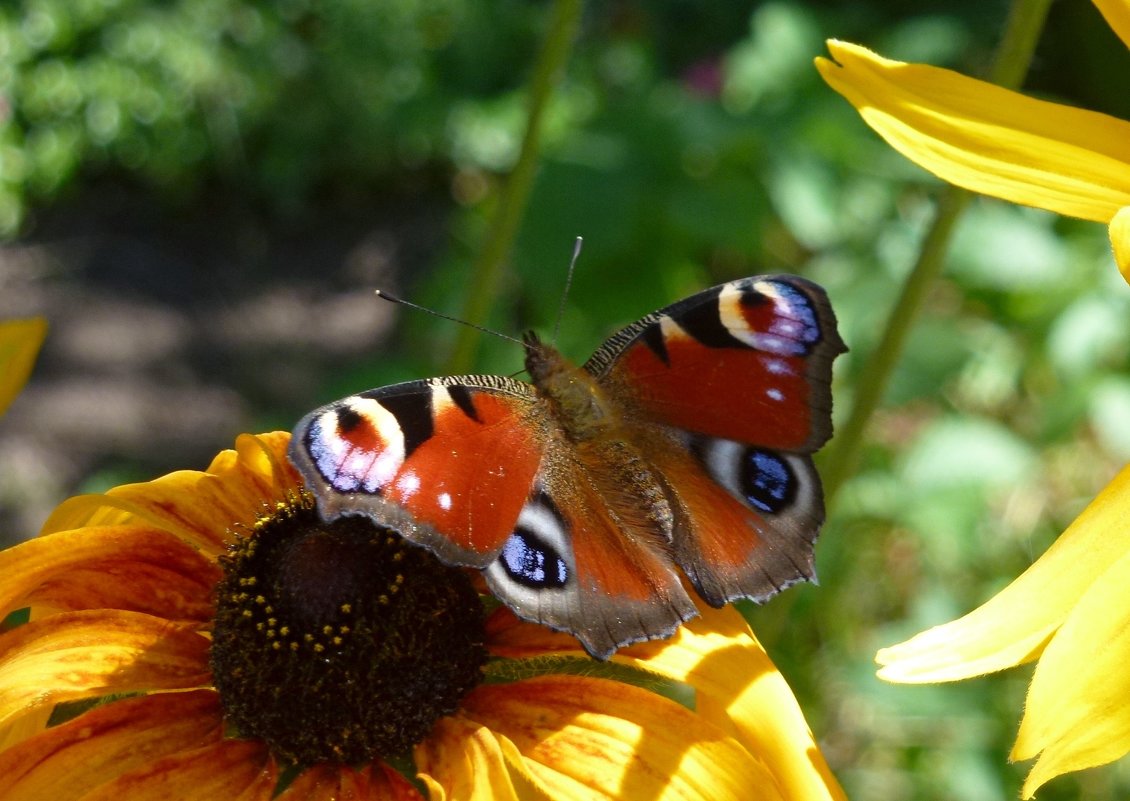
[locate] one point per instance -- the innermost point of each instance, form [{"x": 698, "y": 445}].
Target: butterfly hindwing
[
  {"x": 447, "y": 463},
  {"x": 571, "y": 565},
  {"x": 747, "y": 517}
]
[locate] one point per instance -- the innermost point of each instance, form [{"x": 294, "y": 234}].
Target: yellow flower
[
  {"x": 19, "y": 342},
  {"x": 230, "y": 638},
  {"x": 1071, "y": 611},
  {"x": 994, "y": 141}
]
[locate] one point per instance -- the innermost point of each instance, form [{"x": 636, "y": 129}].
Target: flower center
[{"x": 340, "y": 642}]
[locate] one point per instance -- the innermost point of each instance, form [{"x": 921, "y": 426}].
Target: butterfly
[{"x": 682, "y": 447}]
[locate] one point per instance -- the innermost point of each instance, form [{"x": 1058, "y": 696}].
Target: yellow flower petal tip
[
  {"x": 986, "y": 138},
  {"x": 1120, "y": 241},
  {"x": 19, "y": 343}
]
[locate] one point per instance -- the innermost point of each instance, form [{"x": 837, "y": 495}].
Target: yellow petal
[
  {"x": 19, "y": 343},
  {"x": 94, "y": 653},
  {"x": 100, "y": 745},
  {"x": 719, "y": 656},
  {"x": 1076, "y": 714},
  {"x": 587, "y": 738},
  {"x": 201, "y": 508},
  {"x": 988, "y": 139},
  {"x": 463, "y": 761},
  {"x": 239, "y": 770},
  {"x": 109, "y": 567},
  {"x": 1120, "y": 241},
  {"x": 1117, "y": 15},
  {"x": 1013, "y": 626}
]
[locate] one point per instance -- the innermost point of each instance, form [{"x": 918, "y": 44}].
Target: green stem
[
  {"x": 1014, "y": 55},
  {"x": 488, "y": 270}
]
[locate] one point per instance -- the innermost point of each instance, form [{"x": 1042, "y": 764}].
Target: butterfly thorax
[
  {"x": 579, "y": 405},
  {"x": 590, "y": 420}
]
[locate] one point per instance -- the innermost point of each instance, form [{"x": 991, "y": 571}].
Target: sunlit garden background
[{"x": 201, "y": 196}]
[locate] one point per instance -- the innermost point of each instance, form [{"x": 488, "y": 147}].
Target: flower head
[
  {"x": 233, "y": 645},
  {"x": 995, "y": 141},
  {"x": 1071, "y": 611}
]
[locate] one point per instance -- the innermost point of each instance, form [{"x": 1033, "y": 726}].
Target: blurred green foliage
[{"x": 689, "y": 144}]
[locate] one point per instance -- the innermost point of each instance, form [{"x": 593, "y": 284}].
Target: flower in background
[
  {"x": 205, "y": 635},
  {"x": 19, "y": 343},
  {"x": 1071, "y": 611},
  {"x": 1000, "y": 143}
]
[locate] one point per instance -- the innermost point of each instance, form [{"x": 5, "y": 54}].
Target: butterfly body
[{"x": 682, "y": 447}]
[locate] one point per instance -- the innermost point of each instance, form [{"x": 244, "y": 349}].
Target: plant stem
[
  {"x": 489, "y": 268},
  {"x": 1010, "y": 65}
]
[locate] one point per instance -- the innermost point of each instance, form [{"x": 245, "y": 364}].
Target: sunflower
[
  {"x": 1071, "y": 611},
  {"x": 205, "y": 635},
  {"x": 994, "y": 141}
]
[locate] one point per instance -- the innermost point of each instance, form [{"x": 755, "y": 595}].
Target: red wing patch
[
  {"x": 447, "y": 465},
  {"x": 750, "y": 360}
]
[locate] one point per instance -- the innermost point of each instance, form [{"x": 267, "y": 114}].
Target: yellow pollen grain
[
  {"x": 246, "y": 613},
  {"x": 294, "y": 646},
  {"x": 260, "y": 599},
  {"x": 327, "y": 630},
  {"x": 276, "y": 645},
  {"x": 382, "y": 600},
  {"x": 347, "y": 608},
  {"x": 318, "y": 648},
  {"x": 343, "y": 629},
  {"x": 284, "y": 631},
  {"x": 337, "y": 640},
  {"x": 308, "y": 637}
]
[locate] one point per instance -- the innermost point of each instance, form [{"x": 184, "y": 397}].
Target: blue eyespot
[
  {"x": 532, "y": 562},
  {"x": 767, "y": 481}
]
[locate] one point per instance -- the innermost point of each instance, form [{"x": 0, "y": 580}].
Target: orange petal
[
  {"x": 94, "y": 653},
  {"x": 585, "y": 737},
  {"x": 334, "y": 783},
  {"x": 202, "y": 508},
  {"x": 240, "y": 770},
  {"x": 100, "y": 745},
  {"x": 719, "y": 656},
  {"x": 463, "y": 761},
  {"x": 109, "y": 567}
]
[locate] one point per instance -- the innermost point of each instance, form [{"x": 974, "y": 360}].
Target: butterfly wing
[
  {"x": 571, "y": 565},
  {"x": 738, "y": 380},
  {"x": 448, "y": 462}
]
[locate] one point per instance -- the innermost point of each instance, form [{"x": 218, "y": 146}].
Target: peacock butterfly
[{"x": 685, "y": 442}]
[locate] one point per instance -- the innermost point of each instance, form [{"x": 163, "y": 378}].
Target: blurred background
[{"x": 201, "y": 195}]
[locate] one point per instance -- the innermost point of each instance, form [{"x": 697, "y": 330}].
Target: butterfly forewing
[
  {"x": 749, "y": 360},
  {"x": 447, "y": 462}
]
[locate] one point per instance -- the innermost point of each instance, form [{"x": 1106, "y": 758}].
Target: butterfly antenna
[
  {"x": 568, "y": 283},
  {"x": 394, "y": 299}
]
